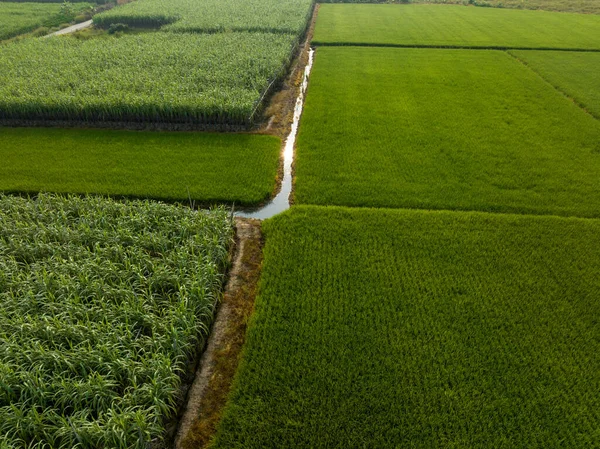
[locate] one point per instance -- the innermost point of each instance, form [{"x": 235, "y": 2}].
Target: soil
[
  {"x": 218, "y": 364},
  {"x": 279, "y": 112}
]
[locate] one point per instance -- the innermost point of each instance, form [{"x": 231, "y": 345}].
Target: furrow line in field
[{"x": 555, "y": 86}]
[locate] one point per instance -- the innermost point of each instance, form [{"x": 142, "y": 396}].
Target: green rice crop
[
  {"x": 273, "y": 16},
  {"x": 154, "y": 77},
  {"x": 204, "y": 167},
  {"x": 454, "y": 26},
  {"x": 579, "y": 6},
  {"x": 443, "y": 129},
  {"x": 20, "y": 18},
  {"x": 574, "y": 73},
  {"x": 417, "y": 329},
  {"x": 102, "y": 305}
]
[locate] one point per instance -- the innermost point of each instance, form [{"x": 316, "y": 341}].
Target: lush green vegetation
[
  {"x": 20, "y": 18},
  {"x": 423, "y": 330},
  {"x": 574, "y": 73},
  {"x": 580, "y": 6},
  {"x": 450, "y": 25},
  {"x": 274, "y": 16},
  {"x": 215, "y": 79},
  {"x": 443, "y": 129},
  {"x": 165, "y": 77},
  {"x": 102, "y": 305},
  {"x": 205, "y": 167}
]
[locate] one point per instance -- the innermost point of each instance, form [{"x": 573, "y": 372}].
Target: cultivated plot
[
  {"x": 103, "y": 305},
  {"x": 452, "y": 25},
  {"x": 443, "y": 129},
  {"x": 19, "y": 18},
  {"x": 213, "y": 79},
  {"x": 204, "y": 167},
  {"x": 423, "y": 330},
  {"x": 579, "y": 6},
  {"x": 577, "y": 74}
]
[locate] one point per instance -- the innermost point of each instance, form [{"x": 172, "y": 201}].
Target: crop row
[
  {"x": 102, "y": 305},
  {"x": 170, "y": 77},
  {"x": 274, "y": 16}
]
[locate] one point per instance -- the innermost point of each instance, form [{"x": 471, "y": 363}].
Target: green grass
[
  {"x": 443, "y": 129},
  {"x": 574, "y": 73},
  {"x": 238, "y": 168},
  {"x": 450, "y": 25},
  {"x": 414, "y": 329},
  {"x": 102, "y": 306},
  {"x": 21, "y": 18}
]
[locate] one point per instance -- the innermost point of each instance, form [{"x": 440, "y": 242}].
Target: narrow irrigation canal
[{"x": 281, "y": 202}]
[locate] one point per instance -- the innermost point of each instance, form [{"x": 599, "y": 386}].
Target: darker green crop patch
[
  {"x": 206, "y": 167},
  {"x": 423, "y": 330},
  {"x": 443, "y": 129}
]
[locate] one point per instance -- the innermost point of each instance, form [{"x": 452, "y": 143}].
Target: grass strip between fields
[
  {"x": 421, "y": 329},
  {"x": 443, "y": 129},
  {"x": 454, "y": 26},
  {"x": 206, "y": 167}
]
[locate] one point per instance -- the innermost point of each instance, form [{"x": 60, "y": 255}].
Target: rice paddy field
[
  {"x": 421, "y": 329},
  {"x": 434, "y": 286},
  {"x": 19, "y": 18},
  {"x": 454, "y": 26},
  {"x": 102, "y": 305},
  {"x": 202, "y": 167},
  {"x": 443, "y": 129},
  {"x": 578, "y": 6},
  {"x": 577, "y": 74}
]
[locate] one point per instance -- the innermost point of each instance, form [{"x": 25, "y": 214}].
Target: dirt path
[
  {"x": 218, "y": 363},
  {"x": 72, "y": 28}
]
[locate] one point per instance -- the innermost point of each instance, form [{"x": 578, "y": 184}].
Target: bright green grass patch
[
  {"x": 274, "y": 16},
  {"x": 443, "y": 129},
  {"x": 238, "y": 168},
  {"x": 212, "y": 79},
  {"x": 574, "y": 73},
  {"x": 20, "y": 18},
  {"x": 416, "y": 329},
  {"x": 450, "y": 25},
  {"x": 102, "y": 306}
]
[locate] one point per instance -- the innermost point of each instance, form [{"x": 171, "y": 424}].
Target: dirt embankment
[
  {"x": 219, "y": 362},
  {"x": 279, "y": 112}
]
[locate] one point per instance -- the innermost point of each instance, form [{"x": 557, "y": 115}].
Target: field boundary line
[
  {"x": 557, "y": 88},
  {"x": 455, "y": 210},
  {"x": 449, "y": 47},
  {"x": 221, "y": 356}
]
